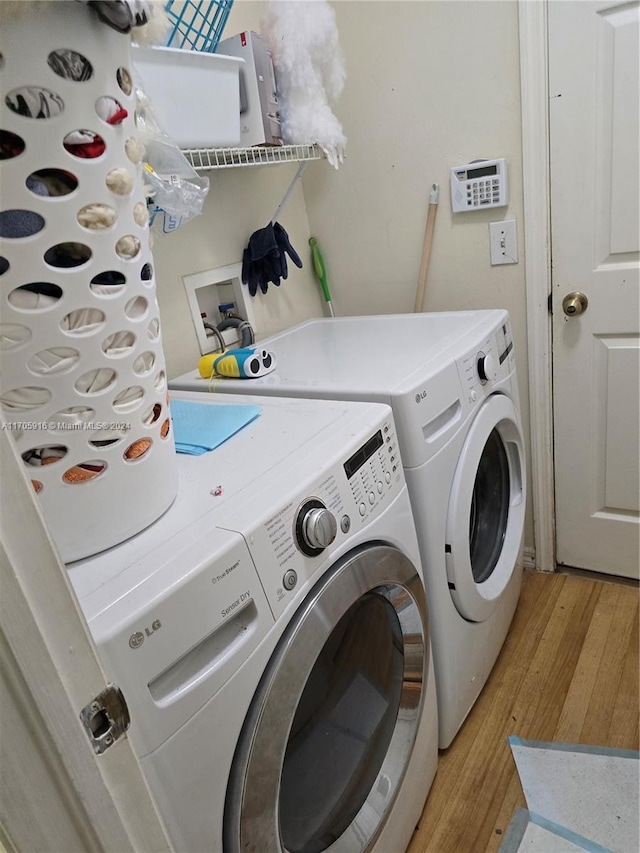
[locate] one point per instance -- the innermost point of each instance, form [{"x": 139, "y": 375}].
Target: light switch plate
[{"x": 503, "y": 242}]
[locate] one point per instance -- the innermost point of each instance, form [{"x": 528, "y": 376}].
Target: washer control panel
[
  {"x": 491, "y": 361},
  {"x": 293, "y": 544},
  {"x": 371, "y": 470}
]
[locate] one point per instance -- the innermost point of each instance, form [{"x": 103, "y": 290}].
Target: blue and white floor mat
[
  {"x": 578, "y": 797},
  {"x": 530, "y": 833}
]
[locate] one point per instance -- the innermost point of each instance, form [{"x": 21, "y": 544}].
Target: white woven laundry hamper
[{"x": 83, "y": 383}]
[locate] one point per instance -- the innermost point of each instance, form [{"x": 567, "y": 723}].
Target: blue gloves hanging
[{"x": 264, "y": 260}]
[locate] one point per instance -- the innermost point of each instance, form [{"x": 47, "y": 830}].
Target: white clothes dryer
[
  {"x": 450, "y": 379},
  {"x": 270, "y": 636}
]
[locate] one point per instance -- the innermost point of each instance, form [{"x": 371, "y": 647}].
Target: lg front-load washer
[
  {"x": 450, "y": 379},
  {"x": 270, "y": 636}
]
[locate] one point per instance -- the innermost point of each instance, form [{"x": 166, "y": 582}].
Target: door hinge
[{"x": 106, "y": 718}]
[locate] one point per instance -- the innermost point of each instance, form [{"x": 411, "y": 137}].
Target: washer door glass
[
  {"x": 489, "y": 508},
  {"x": 332, "y": 726},
  {"x": 485, "y": 517},
  {"x": 342, "y": 727}
]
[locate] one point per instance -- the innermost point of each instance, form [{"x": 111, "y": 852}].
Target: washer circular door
[
  {"x": 485, "y": 518},
  {"x": 332, "y": 726}
]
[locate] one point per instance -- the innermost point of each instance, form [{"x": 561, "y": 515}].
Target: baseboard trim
[
  {"x": 529, "y": 558},
  {"x": 587, "y": 574}
]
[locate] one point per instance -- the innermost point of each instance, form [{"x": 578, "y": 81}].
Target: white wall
[
  {"x": 239, "y": 202},
  {"x": 430, "y": 84}
]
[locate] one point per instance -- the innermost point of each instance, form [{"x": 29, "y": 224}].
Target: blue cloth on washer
[{"x": 199, "y": 427}]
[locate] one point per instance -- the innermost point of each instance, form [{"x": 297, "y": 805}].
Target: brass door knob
[{"x": 574, "y": 303}]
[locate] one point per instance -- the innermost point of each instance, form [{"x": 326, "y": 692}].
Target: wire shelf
[{"x": 203, "y": 159}]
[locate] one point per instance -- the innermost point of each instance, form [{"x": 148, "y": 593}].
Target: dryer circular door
[
  {"x": 332, "y": 726},
  {"x": 485, "y": 518}
]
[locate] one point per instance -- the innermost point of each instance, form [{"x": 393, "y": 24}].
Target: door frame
[{"x": 534, "y": 89}]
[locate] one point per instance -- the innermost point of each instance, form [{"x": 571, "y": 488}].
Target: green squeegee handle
[{"x": 318, "y": 265}]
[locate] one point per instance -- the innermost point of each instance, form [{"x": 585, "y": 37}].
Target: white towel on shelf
[{"x": 310, "y": 72}]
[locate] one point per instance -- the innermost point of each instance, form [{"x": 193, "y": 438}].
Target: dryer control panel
[
  {"x": 293, "y": 544},
  {"x": 487, "y": 363},
  {"x": 370, "y": 471}
]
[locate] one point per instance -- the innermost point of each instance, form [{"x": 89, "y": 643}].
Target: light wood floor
[{"x": 568, "y": 672}]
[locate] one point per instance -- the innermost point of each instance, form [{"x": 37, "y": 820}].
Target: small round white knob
[{"x": 487, "y": 370}]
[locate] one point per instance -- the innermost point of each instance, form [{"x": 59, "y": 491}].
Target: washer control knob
[
  {"x": 290, "y": 579},
  {"x": 319, "y": 527},
  {"x": 315, "y": 527},
  {"x": 487, "y": 368}
]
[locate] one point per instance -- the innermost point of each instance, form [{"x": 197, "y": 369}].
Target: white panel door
[
  {"x": 594, "y": 107},
  {"x": 55, "y": 793},
  {"x": 594, "y": 154}
]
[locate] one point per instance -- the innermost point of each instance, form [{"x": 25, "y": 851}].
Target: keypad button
[{"x": 290, "y": 579}]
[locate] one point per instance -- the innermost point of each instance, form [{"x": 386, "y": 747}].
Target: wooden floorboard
[
  {"x": 568, "y": 671},
  {"x": 626, "y": 720}
]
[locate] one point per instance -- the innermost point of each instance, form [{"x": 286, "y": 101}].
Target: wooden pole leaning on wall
[{"x": 426, "y": 247}]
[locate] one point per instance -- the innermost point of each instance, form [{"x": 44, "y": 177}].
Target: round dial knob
[
  {"x": 315, "y": 527},
  {"x": 319, "y": 528},
  {"x": 487, "y": 368}
]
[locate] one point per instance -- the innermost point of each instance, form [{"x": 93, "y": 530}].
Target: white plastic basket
[{"x": 83, "y": 382}]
